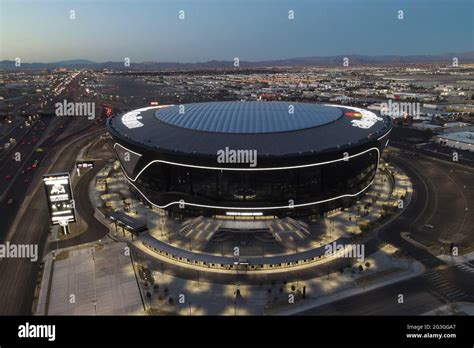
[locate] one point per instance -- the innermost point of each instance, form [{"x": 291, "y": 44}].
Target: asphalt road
[
  {"x": 443, "y": 191},
  {"x": 16, "y": 188},
  {"x": 422, "y": 294},
  {"x": 95, "y": 230},
  {"x": 19, "y": 276}
]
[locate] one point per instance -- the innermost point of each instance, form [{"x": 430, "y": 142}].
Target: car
[
  {"x": 23, "y": 142},
  {"x": 23, "y": 172},
  {"x": 8, "y": 177},
  {"x": 26, "y": 181},
  {"x": 28, "y": 169},
  {"x": 429, "y": 226},
  {"x": 10, "y": 201}
]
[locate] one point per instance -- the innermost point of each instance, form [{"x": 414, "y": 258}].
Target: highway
[{"x": 20, "y": 276}]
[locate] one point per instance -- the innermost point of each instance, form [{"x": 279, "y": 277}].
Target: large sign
[
  {"x": 60, "y": 199},
  {"x": 85, "y": 164}
]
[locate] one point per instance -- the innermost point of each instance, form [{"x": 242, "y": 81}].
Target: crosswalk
[
  {"x": 466, "y": 267},
  {"x": 443, "y": 287}
]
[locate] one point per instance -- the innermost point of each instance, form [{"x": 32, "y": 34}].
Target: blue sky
[{"x": 104, "y": 30}]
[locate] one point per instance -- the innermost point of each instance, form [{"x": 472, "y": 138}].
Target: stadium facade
[{"x": 249, "y": 158}]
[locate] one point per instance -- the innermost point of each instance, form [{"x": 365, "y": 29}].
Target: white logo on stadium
[
  {"x": 130, "y": 120},
  {"x": 366, "y": 120}
]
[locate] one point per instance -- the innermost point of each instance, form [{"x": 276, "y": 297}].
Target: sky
[{"x": 150, "y": 30}]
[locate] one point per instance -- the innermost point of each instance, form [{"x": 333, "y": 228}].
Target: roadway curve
[
  {"x": 20, "y": 276},
  {"x": 95, "y": 230}
]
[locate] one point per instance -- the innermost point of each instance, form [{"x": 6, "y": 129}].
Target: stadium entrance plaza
[
  {"x": 162, "y": 293},
  {"x": 388, "y": 187}
]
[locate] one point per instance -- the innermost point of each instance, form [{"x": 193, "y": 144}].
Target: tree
[
  {"x": 361, "y": 268},
  {"x": 148, "y": 296},
  {"x": 170, "y": 300}
]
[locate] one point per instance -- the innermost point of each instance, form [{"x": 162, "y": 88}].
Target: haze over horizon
[{"x": 146, "y": 30}]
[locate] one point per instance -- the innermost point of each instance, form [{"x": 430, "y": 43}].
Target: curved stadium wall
[{"x": 313, "y": 162}]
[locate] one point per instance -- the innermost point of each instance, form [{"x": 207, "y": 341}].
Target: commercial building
[{"x": 458, "y": 140}]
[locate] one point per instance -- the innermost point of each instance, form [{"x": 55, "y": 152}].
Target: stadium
[{"x": 249, "y": 158}]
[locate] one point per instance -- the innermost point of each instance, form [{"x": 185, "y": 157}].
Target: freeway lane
[
  {"x": 19, "y": 276},
  {"x": 17, "y": 188}
]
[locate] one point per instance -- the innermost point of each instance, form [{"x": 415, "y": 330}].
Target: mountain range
[{"x": 315, "y": 61}]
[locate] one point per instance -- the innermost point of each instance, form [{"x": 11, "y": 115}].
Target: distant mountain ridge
[{"x": 354, "y": 60}]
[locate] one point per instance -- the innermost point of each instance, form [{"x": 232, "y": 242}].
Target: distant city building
[
  {"x": 459, "y": 140},
  {"x": 456, "y": 124},
  {"x": 427, "y": 126}
]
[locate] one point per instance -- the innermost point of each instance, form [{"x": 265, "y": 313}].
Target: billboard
[
  {"x": 84, "y": 164},
  {"x": 59, "y": 197}
]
